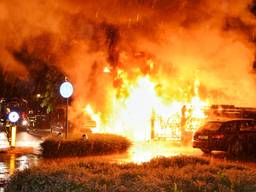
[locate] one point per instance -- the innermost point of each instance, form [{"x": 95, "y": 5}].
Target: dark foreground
[{"x": 183, "y": 173}]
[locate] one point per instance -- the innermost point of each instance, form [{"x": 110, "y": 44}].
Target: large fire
[
  {"x": 140, "y": 113},
  {"x": 141, "y": 68}
]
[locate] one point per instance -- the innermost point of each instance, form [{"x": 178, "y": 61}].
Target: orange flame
[
  {"x": 136, "y": 107},
  {"x": 94, "y": 116}
]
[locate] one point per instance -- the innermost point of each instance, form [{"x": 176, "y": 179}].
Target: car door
[{"x": 230, "y": 131}]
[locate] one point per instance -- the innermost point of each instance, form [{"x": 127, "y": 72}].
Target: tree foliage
[{"x": 41, "y": 87}]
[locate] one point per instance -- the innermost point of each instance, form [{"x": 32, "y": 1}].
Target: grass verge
[
  {"x": 182, "y": 173},
  {"x": 96, "y": 144}
]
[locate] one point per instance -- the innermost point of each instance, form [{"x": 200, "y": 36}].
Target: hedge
[{"x": 95, "y": 144}]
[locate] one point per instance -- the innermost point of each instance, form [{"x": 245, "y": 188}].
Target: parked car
[
  {"x": 235, "y": 136},
  {"x": 39, "y": 121}
]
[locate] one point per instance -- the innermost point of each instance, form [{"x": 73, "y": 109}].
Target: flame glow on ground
[
  {"x": 144, "y": 151},
  {"x": 137, "y": 108}
]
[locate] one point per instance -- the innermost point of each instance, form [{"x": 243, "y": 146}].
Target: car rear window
[
  {"x": 248, "y": 126},
  {"x": 211, "y": 126}
]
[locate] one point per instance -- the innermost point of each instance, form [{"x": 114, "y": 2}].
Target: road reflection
[
  {"x": 12, "y": 162},
  {"x": 19, "y": 158}
]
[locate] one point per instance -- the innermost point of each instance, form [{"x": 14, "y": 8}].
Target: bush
[
  {"x": 96, "y": 144},
  {"x": 183, "y": 173}
]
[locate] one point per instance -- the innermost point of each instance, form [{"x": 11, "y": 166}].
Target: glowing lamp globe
[
  {"x": 13, "y": 116},
  {"x": 66, "y": 89}
]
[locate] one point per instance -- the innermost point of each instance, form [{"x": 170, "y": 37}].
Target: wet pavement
[
  {"x": 9, "y": 163},
  {"x": 16, "y": 159}
]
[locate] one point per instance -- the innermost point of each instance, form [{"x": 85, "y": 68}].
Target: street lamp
[{"x": 66, "y": 91}]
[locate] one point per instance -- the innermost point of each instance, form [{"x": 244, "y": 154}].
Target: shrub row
[
  {"x": 96, "y": 144},
  {"x": 188, "y": 174}
]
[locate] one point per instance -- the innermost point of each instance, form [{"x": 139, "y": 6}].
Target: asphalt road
[{"x": 23, "y": 139}]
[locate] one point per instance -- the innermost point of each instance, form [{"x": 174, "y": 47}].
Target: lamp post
[{"x": 66, "y": 91}]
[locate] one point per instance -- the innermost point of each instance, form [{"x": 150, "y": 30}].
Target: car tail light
[
  {"x": 24, "y": 122},
  {"x": 218, "y": 136}
]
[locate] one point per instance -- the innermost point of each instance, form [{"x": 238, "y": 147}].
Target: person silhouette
[{"x": 7, "y": 125}]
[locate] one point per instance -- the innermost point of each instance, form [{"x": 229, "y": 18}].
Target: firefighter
[{"x": 7, "y": 125}]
